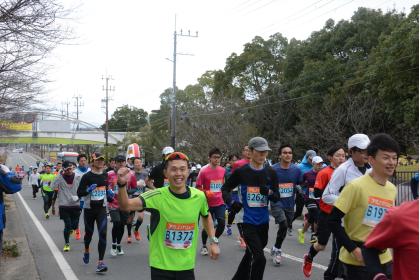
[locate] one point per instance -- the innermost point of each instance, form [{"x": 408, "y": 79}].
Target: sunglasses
[{"x": 177, "y": 155}]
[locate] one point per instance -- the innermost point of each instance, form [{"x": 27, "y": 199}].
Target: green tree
[{"x": 127, "y": 118}]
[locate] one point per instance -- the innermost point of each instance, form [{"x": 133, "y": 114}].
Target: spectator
[{"x": 414, "y": 184}]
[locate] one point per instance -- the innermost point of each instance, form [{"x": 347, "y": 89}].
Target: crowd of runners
[{"x": 347, "y": 195}]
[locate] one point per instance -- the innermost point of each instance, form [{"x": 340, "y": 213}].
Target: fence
[{"x": 402, "y": 180}]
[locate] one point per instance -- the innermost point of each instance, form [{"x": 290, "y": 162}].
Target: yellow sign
[{"x": 18, "y": 126}]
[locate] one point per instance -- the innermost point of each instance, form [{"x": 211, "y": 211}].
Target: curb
[{"x": 22, "y": 267}]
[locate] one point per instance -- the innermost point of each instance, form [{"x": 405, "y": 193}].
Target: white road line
[
  {"x": 293, "y": 258},
  {"x": 61, "y": 261}
]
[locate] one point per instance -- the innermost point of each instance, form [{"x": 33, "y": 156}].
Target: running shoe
[
  {"x": 86, "y": 258},
  {"x": 204, "y": 251},
  {"x": 229, "y": 231},
  {"x": 101, "y": 267},
  {"x": 47, "y": 216},
  {"x": 307, "y": 266},
  {"x": 77, "y": 234},
  {"x": 113, "y": 252},
  {"x": 301, "y": 236},
  {"x": 314, "y": 238},
  {"x": 380, "y": 276},
  {"x": 66, "y": 248},
  {"x": 120, "y": 251},
  {"x": 242, "y": 243},
  {"x": 276, "y": 254},
  {"x": 129, "y": 239},
  {"x": 137, "y": 235}
]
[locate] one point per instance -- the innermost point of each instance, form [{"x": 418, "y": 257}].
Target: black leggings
[
  {"x": 98, "y": 215},
  {"x": 70, "y": 217},
  {"x": 35, "y": 189},
  {"x": 48, "y": 197}
]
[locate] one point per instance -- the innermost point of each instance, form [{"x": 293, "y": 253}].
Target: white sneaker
[
  {"x": 204, "y": 251},
  {"x": 120, "y": 251},
  {"x": 113, "y": 252},
  {"x": 276, "y": 253}
]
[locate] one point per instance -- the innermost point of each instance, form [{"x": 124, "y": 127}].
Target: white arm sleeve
[{"x": 332, "y": 191}]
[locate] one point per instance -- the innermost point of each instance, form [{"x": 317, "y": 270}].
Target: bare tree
[{"x": 29, "y": 31}]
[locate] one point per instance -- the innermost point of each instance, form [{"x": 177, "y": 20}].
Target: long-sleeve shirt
[{"x": 345, "y": 173}]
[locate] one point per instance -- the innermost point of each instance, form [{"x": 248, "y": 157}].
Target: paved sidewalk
[{"x": 22, "y": 267}]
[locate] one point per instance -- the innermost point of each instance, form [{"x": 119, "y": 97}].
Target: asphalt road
[{"x": 52, "y": 263}]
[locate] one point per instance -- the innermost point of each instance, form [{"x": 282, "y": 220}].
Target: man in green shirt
[
  {"x": 46, "y": 190},
  {"x": 174, "y": 220}
]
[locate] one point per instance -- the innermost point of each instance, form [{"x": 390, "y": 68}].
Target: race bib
[
  {"x": 286, "y": 190},
  {"x": 216, "y": 185},
  {"x": 98, "y": 193},
  {"x": 377, "y": 207},
  {"x": 179, "y": 236},
  {"x": 254, "y": 198},
  {"x": 166, "y": 183}
]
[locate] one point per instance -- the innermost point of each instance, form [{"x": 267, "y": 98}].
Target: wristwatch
[{"x": 214, "y": 240}]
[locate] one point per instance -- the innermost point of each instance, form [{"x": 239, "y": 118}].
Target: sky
[{"x": 132, "y": 43}]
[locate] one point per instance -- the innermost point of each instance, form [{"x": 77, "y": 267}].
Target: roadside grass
[{"x": 10, "y": 249}]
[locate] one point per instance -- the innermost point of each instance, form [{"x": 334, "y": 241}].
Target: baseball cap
[
  {"x": 258, "y": 144},
  {"x": 167, "y": 150},
  {"x": 97, "y": 156},
  {"x": 119, "y": 158},
  {"x": 317, "y": 159},
  {"x": 358, "y": 140},
  {"x": 310, "y": 154},
  {"x": 67, "y": 164},
  {"x": 198, "y": 166}
]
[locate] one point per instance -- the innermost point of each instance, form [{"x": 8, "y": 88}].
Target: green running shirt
[
  {"x": 174, "y": 227},
  {"x": 46, "y": 180}
]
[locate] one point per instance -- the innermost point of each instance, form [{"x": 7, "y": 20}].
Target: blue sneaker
[
  {"x": 229, "y": 231},
  {"x": 101, "y": 267},
  {"x": 86, "y": 258}
]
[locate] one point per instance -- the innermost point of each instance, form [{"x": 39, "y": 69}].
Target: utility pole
[
  {"x": 173, "y": 113},
  {"x": 107, "y": 88},
  {"x": 78, "y": 103}
]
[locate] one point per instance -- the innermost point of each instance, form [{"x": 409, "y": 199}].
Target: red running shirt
[{"x": 321, "y": 181}]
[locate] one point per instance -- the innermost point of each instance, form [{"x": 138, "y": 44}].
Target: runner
[
  {"x": 82, "y": 168},
  {"x": 210, "y": 181},
  {"x": 57, "y": 170},
  {"x": 93, "y": 188},
  {"x": 236, "y": 206},
  {"x": 174, "y": 224},
  {"x": 119, "y": 218},
  {"x": 356, "y": 166},
  {"x": 141, "y": 178},
  {"x": 156, "y": 176},
  {"x": 304, "y": 166},
  {"x": 363, "y": 203},
  {"x": 311, "y": 204},
  {"x": 46, "y": 190},
  {"x": 257, "y": 184},
  {"x": 33, "y": 181},
  {"x": 68, "y": 201},
  {"x": 336, "y": 156},
  {"x": 289, "y": 176}
]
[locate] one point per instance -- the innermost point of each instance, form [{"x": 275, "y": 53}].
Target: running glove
[
  {"x": 264, "y": 190},
  {"x": 109, "y": 195},
  {"x": 91, "y": 188}
]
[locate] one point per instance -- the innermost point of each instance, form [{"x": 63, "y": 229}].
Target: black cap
[
  {"x": 67, "y": 164},
  {"x": 120, "y": 158}
]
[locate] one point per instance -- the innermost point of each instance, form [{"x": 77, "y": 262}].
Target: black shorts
[
  {"x": 160, "y": 274},
  {"x": 69, "y": 212},
  {"x": 118, "y": 216},
  {"x": 323, "y": 230}
]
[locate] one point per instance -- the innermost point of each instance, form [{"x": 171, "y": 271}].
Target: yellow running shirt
[{"x": 364, "y": 203}]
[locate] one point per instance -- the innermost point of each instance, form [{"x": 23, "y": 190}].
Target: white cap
[
  {"x": 193, "y": 168},
  {"x": 167, "y": 150},
  {"x": 317, "y": 159},
  {"x": 198, "y": 166},
  {"x": 360, "y": 141}
]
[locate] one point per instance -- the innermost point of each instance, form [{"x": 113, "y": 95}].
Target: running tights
[
  {"x": 98, "y": 215},
  {"x": 281, "y": 234}
]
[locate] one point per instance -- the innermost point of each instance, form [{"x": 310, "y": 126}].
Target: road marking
[
  {"x": 61, "y": 261},
  {"x": 293, "y": 258}
]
